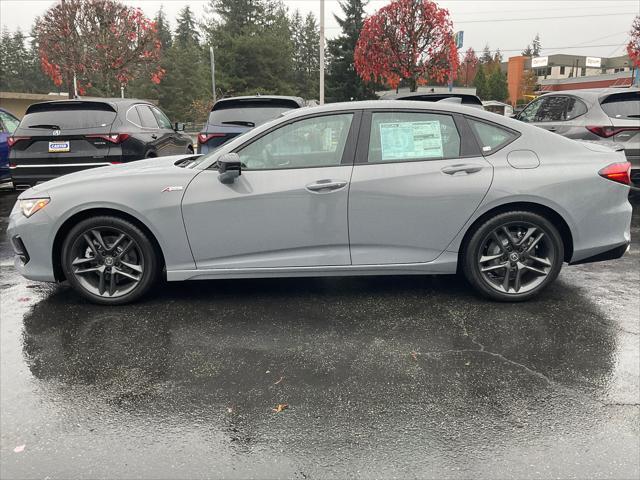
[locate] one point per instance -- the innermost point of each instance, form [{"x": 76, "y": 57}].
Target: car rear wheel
[
  {"x": 513, "y": 256},
  {"x": 109, "y": 260}
]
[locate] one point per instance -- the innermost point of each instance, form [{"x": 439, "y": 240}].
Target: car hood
[{"x": 149, "y": 166}]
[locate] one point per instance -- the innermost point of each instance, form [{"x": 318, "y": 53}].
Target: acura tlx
[{"x": 363, "y": 188}]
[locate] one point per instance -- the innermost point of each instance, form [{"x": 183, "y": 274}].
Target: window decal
[{"x": 404, "y": 140}]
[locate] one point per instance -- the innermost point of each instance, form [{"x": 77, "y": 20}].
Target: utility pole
[
  {"x": 213, "y": 73},
  {"x": 321, "y": 52}
]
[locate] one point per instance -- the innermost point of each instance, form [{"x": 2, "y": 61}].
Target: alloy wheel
[
  {"x": 516, "y": 257},
  {"x": 107, "y": 262}
]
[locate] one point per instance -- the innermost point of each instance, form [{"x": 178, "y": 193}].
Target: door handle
[
  {"x": 326, "y": 186},
  {"x": 466, "y": 168},
  {"x": 154, "y": 136},
  {"x": 552, "y": 129}
]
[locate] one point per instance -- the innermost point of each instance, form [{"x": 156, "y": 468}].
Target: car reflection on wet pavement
[{"x": 410, "y": 377}]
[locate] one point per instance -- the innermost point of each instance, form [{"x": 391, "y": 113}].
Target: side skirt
[{"x": 444, "y": 264}]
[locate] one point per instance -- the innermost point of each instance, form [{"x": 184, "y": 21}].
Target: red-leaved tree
[
  {"x": 633, "y": 47},
  {"x": 407, "y": 40},
  {"x": 468, "y": 67},
  {"x": 103, "y": 42}
]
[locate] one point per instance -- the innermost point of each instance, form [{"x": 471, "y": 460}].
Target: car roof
[
  {"x": 399, "y": 105},
  {"x": 593, "y": 93}
]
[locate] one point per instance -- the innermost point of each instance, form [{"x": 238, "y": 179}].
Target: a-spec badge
[{"x": 176, "y": 188}]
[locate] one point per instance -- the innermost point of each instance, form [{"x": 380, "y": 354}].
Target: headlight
[{"x": 29, "y": 206}]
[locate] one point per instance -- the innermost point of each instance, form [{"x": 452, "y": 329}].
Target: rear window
[
  {"x": 622, "y": 105},
  {"x": 68, "y": 116},
  {"x": 248, "y": 113}
]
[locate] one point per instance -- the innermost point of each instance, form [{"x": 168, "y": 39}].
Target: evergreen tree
[
  {"x": 497, "y": 88},
  {"x": 310, "y": 58},
  {"x": 480, "y": 82},
  {"x": 527, "y": 52},
  {"x": 164, "y": 30},
  {"x": 343, "y": 83},
  {"x": 536, "y": 46},
  {"x": 486, "y": 56}
]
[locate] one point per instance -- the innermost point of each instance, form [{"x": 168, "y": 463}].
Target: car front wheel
[
  {"x": 109, "y": 260},
  {"x": 513, "y": 256}
]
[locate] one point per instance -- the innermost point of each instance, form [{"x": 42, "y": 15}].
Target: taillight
[
  {"x": 11, "y": 141},
  {"x": 617, "y": 172},
  {"x": 111, "y": 137},
  {"x": 607, "y": 132},
  {"x": 205, "y": 137}
]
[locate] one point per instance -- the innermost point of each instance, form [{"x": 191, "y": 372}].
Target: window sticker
[{"x": 411, "y": 140}]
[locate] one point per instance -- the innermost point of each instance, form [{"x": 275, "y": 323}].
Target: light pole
[
  {"x": 213, "y": 73},
  {"x": 321, "y": 52}
]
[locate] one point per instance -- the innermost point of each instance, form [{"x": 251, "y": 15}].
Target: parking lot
[{"x": 405, "y": 377}]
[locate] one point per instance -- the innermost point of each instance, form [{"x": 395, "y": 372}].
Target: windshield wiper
[
  {"x": 45, "y": 125},
  {"x": 239, "y": 122}
]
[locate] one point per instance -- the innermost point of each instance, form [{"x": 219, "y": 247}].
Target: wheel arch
[
  {"x": 547, "y": 212},
  {"x": 77, "y": 217}
]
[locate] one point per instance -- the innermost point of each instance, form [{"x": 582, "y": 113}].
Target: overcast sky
[{"x": 582, "y": 27}]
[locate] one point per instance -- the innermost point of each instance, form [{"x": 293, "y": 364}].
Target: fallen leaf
[
  {"x": 281, "y": 378},
  {"x": 468, "y": 363},
  {"x": 229, "y": 409},
  {"x": 19, "y": 448},
  {"x": 24, "y": 299},
  {"x": 280, "y": 407},
  {"x": 414, "y": 355}
]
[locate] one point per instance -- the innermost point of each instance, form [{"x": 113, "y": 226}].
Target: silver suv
[{"x": 601, "y": 114}]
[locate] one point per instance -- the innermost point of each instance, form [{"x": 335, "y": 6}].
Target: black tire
[
  {"x": 474, "y": 253},
  {"x": 146, "y": 259}
]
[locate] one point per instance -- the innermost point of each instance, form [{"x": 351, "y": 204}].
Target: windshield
[{"x": 246, "y": 116}]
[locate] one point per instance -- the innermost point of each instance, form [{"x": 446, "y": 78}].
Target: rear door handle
[
  {"x": 465, "y": 168},
  {"x": 326, "y": 186}
]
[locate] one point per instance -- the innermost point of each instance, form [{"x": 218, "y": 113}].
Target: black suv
[
  {"x": 64, "y": 136},
  {"x": 232, "y": 116}
]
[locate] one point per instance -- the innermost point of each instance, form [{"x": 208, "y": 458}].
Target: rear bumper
[{"x": 611, "y": 254}]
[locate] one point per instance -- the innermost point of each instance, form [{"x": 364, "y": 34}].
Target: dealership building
[{"x": 568, "y": 72}]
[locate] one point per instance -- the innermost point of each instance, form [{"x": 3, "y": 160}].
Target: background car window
[
  {"x": 9, "y": 123},
  {"x": 622, "y": 105},
  {"x": 162, "y": 119},
  {"x": 313, "y": 142},
  {"x": 411, "y": 136},
  {"x": 75, "y": 116},
  {"x": 133, "y": 117},
  {"x": 147, "y": 118},
  {"x": 574, "y": 108},
  {"x": 529, "y": 113},
  {"x": 552, "y": 109},
  {"x": 491, "y": 136}
]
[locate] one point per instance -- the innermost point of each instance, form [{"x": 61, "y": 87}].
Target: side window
[
  {"x": 575, "y": 108},
  {"x": 528, "y": 115},
  {"x": 312, "y": 142},
  {"x": 147, "y": 118},
  {"x": 552, "y": 109},
  {"x": 9, "y": 123},
  {"x": 162, "y": 119},
  {"x": 491, "y": 137},
  {"x": 412, "y": 136},
  {"x": 133, "y": 117}
]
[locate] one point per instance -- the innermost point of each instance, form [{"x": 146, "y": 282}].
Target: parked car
[
  {"x": 233, "y": 116},
  {"x": 610, "y": 115},
  {"x": 466, "y": 99},
  {"x": 362, "y": 188},
  {"x": 64, "y": 136},
  {"x": 8, "y": 124}
]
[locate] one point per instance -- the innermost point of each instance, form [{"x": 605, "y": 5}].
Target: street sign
[{"x": 459, "y": 39}]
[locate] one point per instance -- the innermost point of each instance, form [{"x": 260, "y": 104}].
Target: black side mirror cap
[{"x": 229, "y": 168}]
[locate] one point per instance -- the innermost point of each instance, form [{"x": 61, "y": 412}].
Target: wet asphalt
[{"x": 385, "y": 377}]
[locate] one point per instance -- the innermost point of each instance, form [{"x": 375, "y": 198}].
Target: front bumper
[{"x": 33, "y": 252}]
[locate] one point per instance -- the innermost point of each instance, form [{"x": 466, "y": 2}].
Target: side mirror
[
  {"x": 229, "y": 168},
  {"x": 179, "y": 127}
]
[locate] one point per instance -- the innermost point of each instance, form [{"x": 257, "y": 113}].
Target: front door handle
[
  {"x": 326, "y": 186},
  {"x": 154, "y": 136},
  {"x": 464, "y": 168}
]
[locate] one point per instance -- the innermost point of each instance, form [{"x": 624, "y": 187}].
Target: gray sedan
[{"x": 364, "y": 188}]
